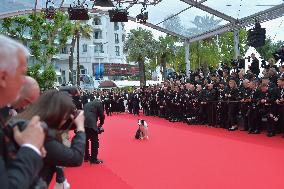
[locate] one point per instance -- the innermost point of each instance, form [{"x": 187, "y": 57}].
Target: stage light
[
  {"x": 49, "y": 10},
  {"x": 256, "y": 36},
  {"x": 78, "y": 12},
  {"x": 142, "y": 18},
  {"x": 103, "y": 4},
  {"x": 117, "y": 15}
]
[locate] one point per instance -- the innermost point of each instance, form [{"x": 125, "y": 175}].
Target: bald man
[
  {"x": 21, "y": 171},
  {"x": 28, "y": 94}
]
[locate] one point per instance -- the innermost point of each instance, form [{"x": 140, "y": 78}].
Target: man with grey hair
[
  {"x": 21, "y": 171},
  {"x": 28, "y": 94}
]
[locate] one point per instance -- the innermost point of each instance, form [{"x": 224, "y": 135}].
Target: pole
[
  {"x": 237, "y": 43},
  {"x": 187, "y": 58}
]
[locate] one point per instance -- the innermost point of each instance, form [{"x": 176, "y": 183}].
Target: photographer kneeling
[
  {"x": 93, "y": 110},
  {"x": 58, "y": 111}
]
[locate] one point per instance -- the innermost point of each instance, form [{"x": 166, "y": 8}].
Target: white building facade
[{"x": 104, "y": 47}]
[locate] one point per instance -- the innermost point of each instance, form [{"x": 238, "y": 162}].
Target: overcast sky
[{"x": 233, "y": 8}]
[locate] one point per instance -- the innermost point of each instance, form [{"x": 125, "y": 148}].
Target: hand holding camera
[
  {"x": 33, "y": 134},
  {"x": 100, "y": 129},
  {"x": 79, "y": 121}
]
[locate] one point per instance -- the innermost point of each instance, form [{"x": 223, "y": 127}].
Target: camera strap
[{"x": 2, "y": 137}]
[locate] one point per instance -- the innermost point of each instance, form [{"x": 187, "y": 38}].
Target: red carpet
[{"x": 181, "y": 157}]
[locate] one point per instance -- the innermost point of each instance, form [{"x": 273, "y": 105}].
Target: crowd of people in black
[
  {"x": 33, "y": 142},
  {"x": 230, "y": 99}
]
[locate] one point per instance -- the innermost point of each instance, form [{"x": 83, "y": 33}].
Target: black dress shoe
[
  {"x": 271, "y": 134},
  {"x": 96, "y": 161},
  {"x": 256, "y": 132},
  {"x": 86, "y": 159},
  {"x": 233, "y": 129}
]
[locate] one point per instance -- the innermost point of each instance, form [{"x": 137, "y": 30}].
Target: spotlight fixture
[
  {"x": 256, "y": 36},
  {"x": 103, "y": 4},
  {"x": 78, "y": 11},
  {"x": 146, "y": 2},
  {"x": 117, "y": 15},
  {"x": 49, "y": 10},
  {"x": 143, "y": 16}
]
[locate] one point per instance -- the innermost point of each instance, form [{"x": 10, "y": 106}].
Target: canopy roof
[{"x": 191, "y": 20}]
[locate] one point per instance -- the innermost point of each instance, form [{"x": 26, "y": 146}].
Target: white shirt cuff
[{"x": 32, "y": 147}]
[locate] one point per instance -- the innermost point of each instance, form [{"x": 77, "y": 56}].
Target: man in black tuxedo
[
  {"x": 254, "y": 67},
  {"x": 20, "y": 172},
  {"x": 93, "y": 111}
]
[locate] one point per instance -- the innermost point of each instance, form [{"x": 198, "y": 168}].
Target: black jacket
[
  {"x": 21, "y": 172},
  {"x": 92, "y": 111},
  {"x": 255, "y": 67},
  {"x": 60, "y": 155}
]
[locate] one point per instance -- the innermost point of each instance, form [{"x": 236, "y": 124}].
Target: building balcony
[
  {"x": 101, "y": 40},
  {"x": 98, "y": 27},
  {"x": 61, "y": 56}
]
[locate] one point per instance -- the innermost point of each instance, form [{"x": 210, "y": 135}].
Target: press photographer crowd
[
  {"x": 35, "y": 125},
  {"x": 228, "y": 97}
]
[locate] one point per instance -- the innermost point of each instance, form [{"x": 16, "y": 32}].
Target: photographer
[
  {"x": 93, "y": 110},
  {"x": 279, "y": 55},
  {"x": 254, "y": 67},
  {"x": 58, "y": 111},
  {"x": 20, "y": 172}
]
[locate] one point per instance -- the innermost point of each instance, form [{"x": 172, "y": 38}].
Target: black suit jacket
[
  {"x": 92, "y": 111},
  {"x": 60, "y": 155},
  {"x": 21, "y": 172},
  {"x": 254, "y": 67}
]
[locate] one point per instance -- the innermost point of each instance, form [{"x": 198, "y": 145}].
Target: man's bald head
[{"x": 28, "y": 94}]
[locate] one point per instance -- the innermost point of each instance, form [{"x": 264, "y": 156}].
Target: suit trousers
[{"x": 92, "y": 135}]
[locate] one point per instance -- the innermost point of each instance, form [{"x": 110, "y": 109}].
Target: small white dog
[{"x": 142, "y": 132}]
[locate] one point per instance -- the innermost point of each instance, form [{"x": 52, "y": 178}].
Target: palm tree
[
  {"x": 203, "y": 24},
  {"x": 166, "y": 51},
  {"x": 79, "y": 29},
  {"x": 140, "y": 46}
]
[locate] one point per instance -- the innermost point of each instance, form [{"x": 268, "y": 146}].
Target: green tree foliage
[
  {"x": 140, "y": 46},
  {"x": 269, "y": 48},
  {"x": 44, "y": 38},
  {"x": 78, "y": 29},
  {"x": 226, "y": 45},
  {"x": 206, "y": 53},
  {"x": 44, "y": 78},
  {"x": 166, "y": 49}
]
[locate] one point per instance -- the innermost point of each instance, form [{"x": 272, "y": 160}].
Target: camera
[
  {"x": 100, "y": 129},
  {"x": 22, "y": 124},
  {"x": 69, "y": 124},
  {"x": 264, "y": 65},
  {"x": 11, "y": 145}
]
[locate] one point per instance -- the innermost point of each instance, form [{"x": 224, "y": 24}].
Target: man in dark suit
[
  {"x": 254, "y": 67},
  {"x": 93, "y": 111},
  {"x": 21, "y": 171}
]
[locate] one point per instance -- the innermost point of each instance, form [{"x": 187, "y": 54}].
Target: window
[
  {"x": 97, "y": 34},
  {"x": 99, "y": 48},
  {"x": 116, "y": 37},
  {"x": 97, "y": 21},
  {"x": 83, "y": 72},
  {"x": 123, "y": 37},
  {"x": 85, "y": 48},
  {"x": 64, "y": 50},
  {"x": 63, "y": 76},
  {"x": 117, "y": 53},
  {"x": 116, "y": 26}
]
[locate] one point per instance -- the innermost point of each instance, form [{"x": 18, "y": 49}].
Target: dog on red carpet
[{"x": 142, "y": 131}]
